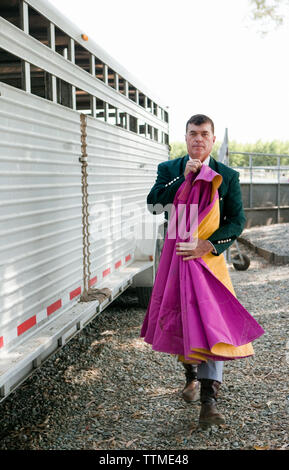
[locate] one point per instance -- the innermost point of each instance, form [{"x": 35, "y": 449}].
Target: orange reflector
[
  {"x": 84, "y": 37},
  {"x": 151, "y": 258}
]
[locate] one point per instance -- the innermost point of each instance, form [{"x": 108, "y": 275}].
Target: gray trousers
[{"x": 211, "y": 370}]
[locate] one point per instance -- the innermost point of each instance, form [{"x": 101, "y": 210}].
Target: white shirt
[{"x": 205, "y": 162}]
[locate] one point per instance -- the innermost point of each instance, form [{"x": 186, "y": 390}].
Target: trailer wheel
[{"x": 241, "y": 264}]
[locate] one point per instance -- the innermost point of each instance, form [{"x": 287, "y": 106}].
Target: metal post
[
  {"x": 93, "y": 106},
  {"x": 105, "y": 74},
  {"x": 26, "y": 77},
  {"x": 92, "y": 71},
  {"x": 117, "y": 116},
  {"x": 92, "y": 64},
  {"x": 105, "y": 112},
  {"x": 71, "y": 52},
  {"x": 52, "y": 36},
  {"x": 251, "y": 181},
  {"x": 126, "y": 88},
  {"x": 278, "y": 192},
  {"x": 116, "y": 77},
  {"x": 53, "y": 78},
  {"x": 24, "y": 17}
]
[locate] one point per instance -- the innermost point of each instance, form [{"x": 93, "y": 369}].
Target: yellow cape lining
[{"x": 216, "y": 264}]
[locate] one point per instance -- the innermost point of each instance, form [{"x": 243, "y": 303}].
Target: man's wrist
[{"x": 214, "y": 249}]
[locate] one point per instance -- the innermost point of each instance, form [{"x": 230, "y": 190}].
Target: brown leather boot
[
  {"x": 209, "y": 414},
  {"x": 191, "y": 391}
]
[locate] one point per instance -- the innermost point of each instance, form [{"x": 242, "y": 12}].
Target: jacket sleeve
[
  {"x": 163, "y": 191},
  {"x": 235, "y": 219}
]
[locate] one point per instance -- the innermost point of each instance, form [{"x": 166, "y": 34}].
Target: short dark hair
[{"x": 199, "y": 119}]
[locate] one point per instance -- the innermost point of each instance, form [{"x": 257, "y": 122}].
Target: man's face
[{"x": 200, "y": 140}]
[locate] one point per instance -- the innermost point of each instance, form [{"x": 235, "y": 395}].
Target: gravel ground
[
  {"x": 107, "y": 389},
  {"x": 274, "y": 238}
]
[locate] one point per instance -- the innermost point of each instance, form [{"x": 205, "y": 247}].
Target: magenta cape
[{"x": 191, "y": 312}]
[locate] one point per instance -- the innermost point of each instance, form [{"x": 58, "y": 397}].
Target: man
[{"x": 171, "y": 174}]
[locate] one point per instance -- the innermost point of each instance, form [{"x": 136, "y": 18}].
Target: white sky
[{"x": 198, "y": 56}]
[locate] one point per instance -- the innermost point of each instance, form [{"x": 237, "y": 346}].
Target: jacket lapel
[
  {"x": 184, "y": 162},
  {"x": 212, "y": 163}
]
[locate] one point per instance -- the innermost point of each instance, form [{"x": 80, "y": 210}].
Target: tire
[{"x": 241, "y": 265}]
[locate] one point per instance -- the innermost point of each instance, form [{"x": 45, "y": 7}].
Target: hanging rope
[{"x": 89, "y": 294}]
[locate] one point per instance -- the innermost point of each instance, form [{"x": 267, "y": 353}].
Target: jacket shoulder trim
[{"x": 226, "y": 169}]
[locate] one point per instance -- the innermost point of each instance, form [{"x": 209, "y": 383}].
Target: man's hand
[
  {"x": 192, "y": 165},
  {"x": 192, "y": 251}
]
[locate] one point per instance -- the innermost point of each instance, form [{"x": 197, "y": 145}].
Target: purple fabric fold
[{"x": 189, "y": 306}]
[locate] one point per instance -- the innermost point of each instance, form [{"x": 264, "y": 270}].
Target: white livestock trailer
[{"x": 81, "y": 139}]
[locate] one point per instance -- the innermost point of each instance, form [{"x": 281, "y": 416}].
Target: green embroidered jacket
[{"x": 170, "y": 175}]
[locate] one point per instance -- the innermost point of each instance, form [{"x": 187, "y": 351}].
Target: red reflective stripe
[
  {"x": 127, "y": 258},
  {"x": 26, "y": 325},
  {"x": 54, "y": 307},
  {"x": 106, "y": 272},
  {"x": 1, "y": 342},
  {"x": 117, "y": 264},
  {"x": 92, "y": 281},
  {"x": 75, "y": 292}
]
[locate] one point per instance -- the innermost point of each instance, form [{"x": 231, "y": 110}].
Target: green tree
[
  {"x": 179, "y": 149},
  {"x": 269, "y": 13}
]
